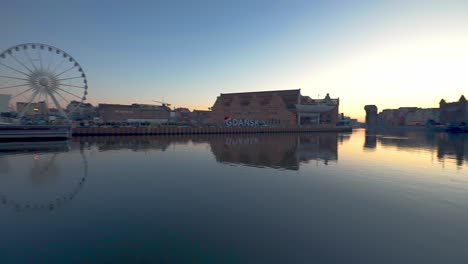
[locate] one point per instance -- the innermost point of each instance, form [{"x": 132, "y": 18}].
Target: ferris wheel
[{"x": 42, "y": 78}]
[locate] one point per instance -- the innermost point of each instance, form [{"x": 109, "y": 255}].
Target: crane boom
[{"x": 163, "y": 103}]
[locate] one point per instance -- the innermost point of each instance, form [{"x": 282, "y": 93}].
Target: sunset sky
[{"x": 391, "y": 54}]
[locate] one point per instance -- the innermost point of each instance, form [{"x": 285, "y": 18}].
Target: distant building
[
  {"x": 455, "y": 112},
  {"x": 421, "y": 116},
  {"x": 32, "y": 109},
  {"x": 371, "y": 115},
  {"x": 182, "y": 115},
  {"x": 283, "y": 108},
  {"x": 116, "y": 113},
  {"x": 81, "y": 111},
  {"x": 201, "y": 117},
  {"x": 408, "y": 116},
  {"x": 4, "y": 101}
]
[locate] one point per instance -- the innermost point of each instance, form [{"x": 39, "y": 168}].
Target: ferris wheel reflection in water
[{"x": 40, "y": 176}]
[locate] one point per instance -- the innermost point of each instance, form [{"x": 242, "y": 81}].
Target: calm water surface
[{"x": 395, "y": 197}]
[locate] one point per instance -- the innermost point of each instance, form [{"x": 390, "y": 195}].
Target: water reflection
[
  {"x": 447, "y": 146},
  {"x": 11, "y": 148},
  {"x": 285, "y": 151},
  {"x": 56, "y": 171},
  {"x": 134, "y": 143},
  {"x": 276, "y": 151},
  {"x": 370, "y": 141},
  {"x": 179, "y": 199},
  {"x": 40, "y": 175}
]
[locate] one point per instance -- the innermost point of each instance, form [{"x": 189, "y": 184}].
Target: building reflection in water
[
  {"x": 275, "y": 151},
  {"x": 447, "y": 145},
  {"x": 370, "y": 140},
  {"x": 134, "y": 143}
]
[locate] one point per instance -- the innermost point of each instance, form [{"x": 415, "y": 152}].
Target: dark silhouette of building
[
  {"x": 371, "y": 115},
  {"x": 455, "y": 112}
]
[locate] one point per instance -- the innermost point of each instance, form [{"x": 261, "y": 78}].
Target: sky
[{"x": 388, "y": 53}]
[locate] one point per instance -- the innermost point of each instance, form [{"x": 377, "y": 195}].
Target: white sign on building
[{"x": 243, "y": 123}]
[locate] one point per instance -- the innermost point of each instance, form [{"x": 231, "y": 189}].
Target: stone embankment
[{"x": 113, "y": 131}]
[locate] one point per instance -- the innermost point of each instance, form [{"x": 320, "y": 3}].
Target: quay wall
[{"x": 133, "y": 131}]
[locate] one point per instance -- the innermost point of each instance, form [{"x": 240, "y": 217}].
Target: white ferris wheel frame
[{"x": 41, "y": 80}]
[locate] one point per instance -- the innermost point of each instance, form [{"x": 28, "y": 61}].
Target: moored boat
[
  {"x": 12, "y": 132},
  {"x": 458, "y": 127}
]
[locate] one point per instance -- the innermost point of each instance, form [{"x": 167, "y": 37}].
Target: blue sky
[{"x": 389, "y": 53}]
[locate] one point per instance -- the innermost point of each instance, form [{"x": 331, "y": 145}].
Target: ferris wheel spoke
[
  {"x": 40, "y": 58},
  {"x": 58, "y": 65},
  {"x": 14, "y": 78},
  {"x": 14, "y": 86},
  {"x": 65, "y": 71},
  {"x": 71, "y": 78},
  {"x": 22, "y": 64},
  {"x": 49, "y": 63},
  {"x": 61, "y": 96},
  {"x": 13, "y": 69},
  {"x": 30, "y": 59},
  {"x": 20, "y": 94},
  {"x": 75, "y": 86},
  {"x": 72, "y": 94}
]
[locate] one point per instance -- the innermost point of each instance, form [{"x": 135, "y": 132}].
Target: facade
[
  {"x": 4, "y": 100},
  {"x": 84, "y": 111},
  {"x": 115, "y": 113},
  {"x": 408, "y": 116},
  {"x": 283, "y": 108},
  {"x": 455, "y": 112},
  {"x": 34, "y": 109},
  {"x": 182, "y": 115},
  {"x": 421, "y": 116},
  {"x": 201, "y": 117}
]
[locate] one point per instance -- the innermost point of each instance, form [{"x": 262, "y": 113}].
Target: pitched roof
[{"x": 290, "y": 97}]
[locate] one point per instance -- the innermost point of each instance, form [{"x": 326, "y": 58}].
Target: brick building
[
  {"x": 408, "y": 116},
  {"x": 81, "y": 111},
  {"x": 201, "y": 117},
  {"x": 283, "y": 108},
  {"x": 115, "y": 113}
]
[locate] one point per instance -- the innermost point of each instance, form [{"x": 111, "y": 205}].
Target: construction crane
[{"x": 162, "y": 103}]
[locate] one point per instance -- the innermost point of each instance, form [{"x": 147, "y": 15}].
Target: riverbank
[{"x": 133, "y": 131}]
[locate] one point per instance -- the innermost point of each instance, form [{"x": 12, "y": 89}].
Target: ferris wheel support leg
[{"x": 59, "y": 108}]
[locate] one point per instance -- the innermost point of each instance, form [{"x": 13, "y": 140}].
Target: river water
[{"x": 361, "y": 197}]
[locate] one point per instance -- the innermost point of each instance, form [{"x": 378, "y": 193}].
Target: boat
[
  {"x": 36, "y": 147},
  {"x": 457, "y": 127},
  {"x": 13, "y": 132}
]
